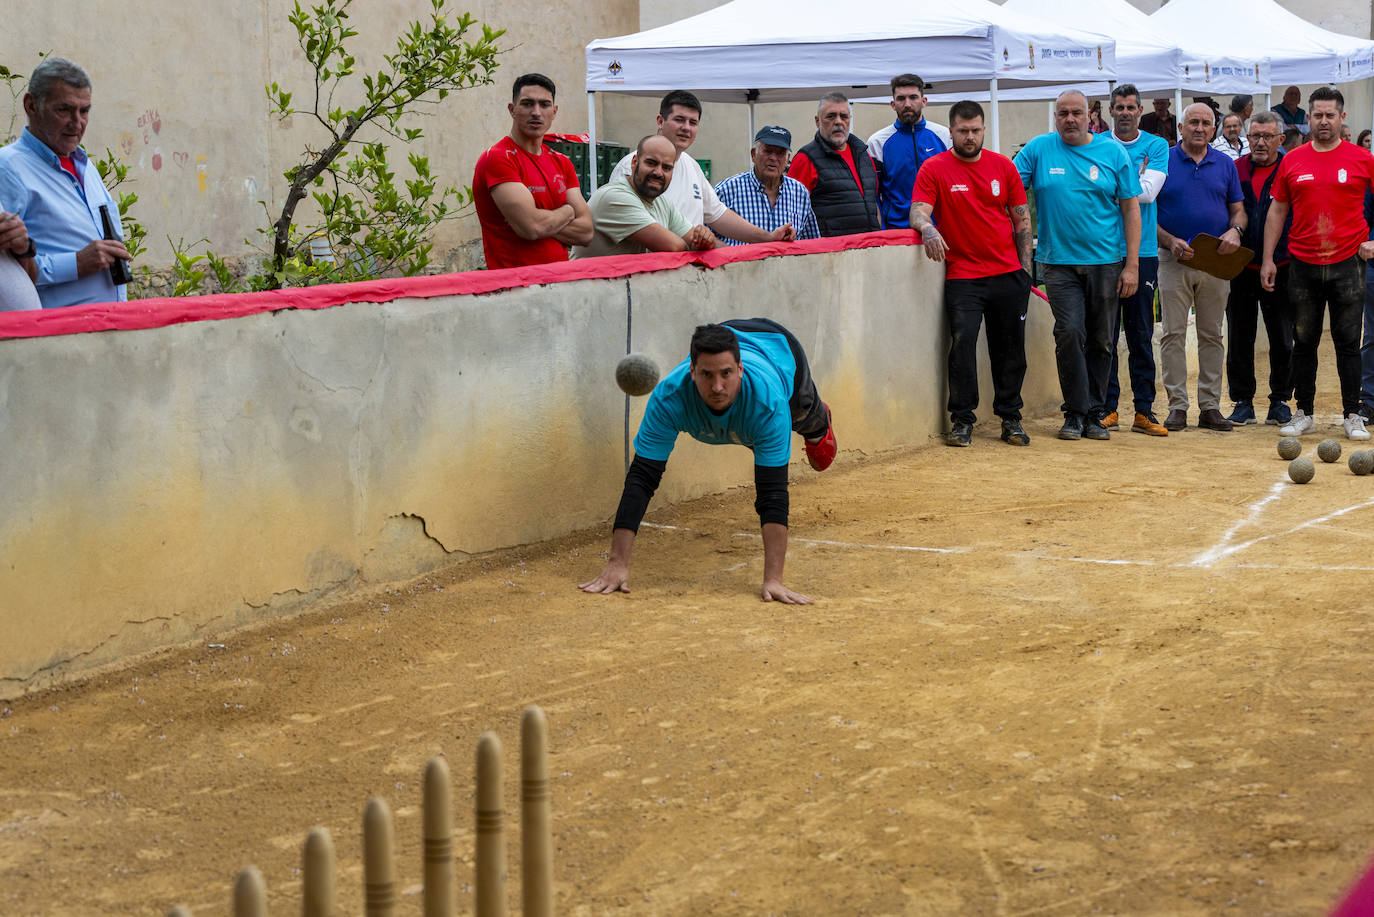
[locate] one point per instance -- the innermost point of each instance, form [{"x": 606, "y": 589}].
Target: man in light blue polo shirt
[
  {"x": 46, "y": 178},
  {"x": 1150, "y": 158},
  {"x": 747, "y": 382},
  {"x": 1086, "y": 203},
  {"x": 1202, "y": 194}
]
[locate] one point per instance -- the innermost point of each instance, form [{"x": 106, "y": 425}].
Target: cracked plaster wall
[{"x": 164, "y": 485}]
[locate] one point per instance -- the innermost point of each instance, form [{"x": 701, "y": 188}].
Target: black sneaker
[
  {"x": 1073, "y": 427},
  {"x": 1093, "y": 429},
  {"x": 1012, "y": 433},
  {"x": 960, "y": 435}
]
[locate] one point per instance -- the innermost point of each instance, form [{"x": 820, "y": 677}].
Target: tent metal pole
[
  {"x": 1050, "y": 103},
  {"x": 996, "y": 121},
  {"x": 751, "y": 121},
  {"x": 1178, "y": 106},
  {"x": 591, "y": 142}
]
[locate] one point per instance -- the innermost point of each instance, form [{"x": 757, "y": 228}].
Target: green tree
[{"x": 372, "y": 222}]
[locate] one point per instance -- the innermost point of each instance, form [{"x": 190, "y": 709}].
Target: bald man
[{"x": 631, "y": 215}]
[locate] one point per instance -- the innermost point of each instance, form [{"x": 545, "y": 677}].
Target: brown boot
[
  {"x": 1112, "y": 421},
  {"x": 1146, "y": 423},
  {"x": 1211, "y": 419}
]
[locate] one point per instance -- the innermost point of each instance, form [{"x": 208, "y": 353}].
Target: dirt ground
[{"x": 1120, "y": 678}]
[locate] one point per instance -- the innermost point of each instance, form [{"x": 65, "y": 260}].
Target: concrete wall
[{"x": 163, "y": 485}]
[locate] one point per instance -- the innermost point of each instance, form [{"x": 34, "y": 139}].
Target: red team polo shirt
[
  {"x": 1326, "y": 192},
  {"x": 549, "y": 176},
  {"x": 971, "y": 201}
]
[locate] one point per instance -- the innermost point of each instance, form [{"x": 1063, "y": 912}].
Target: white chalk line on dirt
[
  {"x": 1218, "y": 550},
  {"x": 1221, "y": 552},
  {"x": 1100, "y": 561},
  {"x": 854, "y": 544}
]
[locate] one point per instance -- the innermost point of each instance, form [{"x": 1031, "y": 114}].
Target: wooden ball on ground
[
  {"x": 636, "y": 374},
  {"x": 1361, "y": 462},
  {"x": 1328, "y": 450},
  {"x": 1290, "y": 447},
  {"x": 1301, "y": 470}
]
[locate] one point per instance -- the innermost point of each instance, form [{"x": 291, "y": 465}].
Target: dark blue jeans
[
  {"x": 1083, "y": 299},
  {"x": 1312, "y": 288},
  {"x": 1002, "y": 301},
  {"x": 1243, "y": 308},
  {"x": 1367, "y": 349},
  {"x": 1137, "y": 317}
]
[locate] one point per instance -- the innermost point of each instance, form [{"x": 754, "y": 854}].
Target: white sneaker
[
  {"x": 1301, "y": 424},
  {"x": 1354, "y": 427}
]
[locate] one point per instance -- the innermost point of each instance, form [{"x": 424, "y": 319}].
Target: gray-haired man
[{"x": 47, "y": 180}]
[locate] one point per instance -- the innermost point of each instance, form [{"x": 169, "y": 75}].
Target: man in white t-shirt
[{"x": 679, "y": 115}]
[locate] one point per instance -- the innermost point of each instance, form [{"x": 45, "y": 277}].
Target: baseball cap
[{"x": 774, "y": 136}]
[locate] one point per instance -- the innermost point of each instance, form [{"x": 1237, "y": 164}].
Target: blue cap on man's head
[{"x": 774, "y": 136}]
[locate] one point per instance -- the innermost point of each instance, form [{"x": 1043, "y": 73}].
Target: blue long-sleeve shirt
[{"x": 62, "y": 215}]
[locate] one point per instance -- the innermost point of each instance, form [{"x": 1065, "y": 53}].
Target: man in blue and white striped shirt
[{"x": 765, "y": 196}]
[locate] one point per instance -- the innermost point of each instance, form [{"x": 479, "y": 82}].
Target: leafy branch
[{"x": 378, "y": 223}]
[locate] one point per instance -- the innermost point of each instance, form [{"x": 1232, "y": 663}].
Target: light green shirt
[{"x": 618, "y": 212}]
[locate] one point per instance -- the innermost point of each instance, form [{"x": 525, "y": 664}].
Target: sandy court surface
[{"x": 1121, "y": 678}]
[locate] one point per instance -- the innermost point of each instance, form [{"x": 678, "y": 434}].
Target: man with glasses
[
  {"x": 1248, "y": 299},
  {"x": 1149, "y": 155},
  {"x": 1323, "y": 184}
]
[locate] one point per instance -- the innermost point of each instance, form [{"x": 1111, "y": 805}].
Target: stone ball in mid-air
[{"x": 636, "y": 374}]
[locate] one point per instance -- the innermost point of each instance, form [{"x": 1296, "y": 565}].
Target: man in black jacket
[
  {"x": 1248, "y": 299},
  {"x": 836, "y": 169}
]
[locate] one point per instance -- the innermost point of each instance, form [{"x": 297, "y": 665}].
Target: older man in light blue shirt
[{"x": 48, "y": 181}]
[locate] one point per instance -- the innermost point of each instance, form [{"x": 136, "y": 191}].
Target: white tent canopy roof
[
  {"x": 1146, "y": 55},
  {"x": 796, "y": 50},
  {"x": 1139, "y": 44},
  {"x": 1298, "y": 51}
]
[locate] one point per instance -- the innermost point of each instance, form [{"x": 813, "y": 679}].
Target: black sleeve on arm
[
  {"x": 770, "y": 494},
  {"x": 640, "y": 483}
]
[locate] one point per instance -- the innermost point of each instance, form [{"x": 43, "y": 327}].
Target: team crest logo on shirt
[
  {"x": 996, "y": 188},
  {"x": 1092, "y": 173},
  {"x": 1341, "y": 176}
]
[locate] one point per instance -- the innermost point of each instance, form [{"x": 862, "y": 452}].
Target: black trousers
[
  {"x": 1312, "y": 288},
  {"x": 1002, "y": 301},
  {"x": 1248, "y": 300}
]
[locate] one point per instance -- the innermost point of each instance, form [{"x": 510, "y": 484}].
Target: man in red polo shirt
[
  {"x": 1323, "y": 183},
  {"x": 984, "y": 237},
  {"x": 527, "y": 197}
]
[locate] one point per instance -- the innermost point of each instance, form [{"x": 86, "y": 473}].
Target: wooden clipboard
[{"x": 1206, "y": 259}]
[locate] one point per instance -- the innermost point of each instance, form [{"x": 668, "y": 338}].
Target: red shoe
[{"x": 821, "y": 454}]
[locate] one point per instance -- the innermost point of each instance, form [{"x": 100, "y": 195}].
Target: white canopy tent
[
  {"x": 797, "y": 50},
  {"x": 1298, "y": 51},
  {"x": 1147, "y": 55}
]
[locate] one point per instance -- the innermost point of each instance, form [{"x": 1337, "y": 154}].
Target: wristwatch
[
  {"x": 1239, "y": 231},
  {"x": 33, "y": 250}
]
